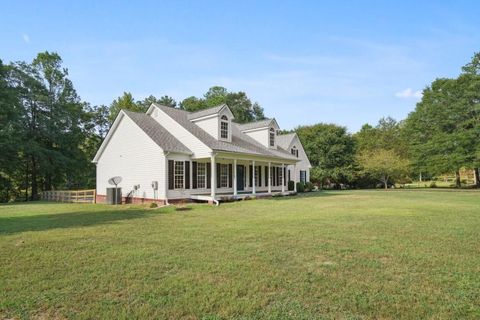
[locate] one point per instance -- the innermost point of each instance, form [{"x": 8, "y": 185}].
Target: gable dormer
[
  {"x": 264, "y": 131},
  {"x": 216, "y": 121}
]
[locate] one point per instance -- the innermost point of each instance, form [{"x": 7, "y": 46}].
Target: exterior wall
[
  {"x": 260, "y": 135},
  {"x": 132, "y": 155},
  {"x": 199, "y": 149},
  {"x": 303, "y": 164},
  {"x": 210, "y": 125}
]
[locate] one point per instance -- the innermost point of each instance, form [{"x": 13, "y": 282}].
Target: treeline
[
  {"x": 48, "y": 135},
  {"x": 442, "y": 135}
]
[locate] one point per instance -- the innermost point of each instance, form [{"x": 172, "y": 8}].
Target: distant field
[{"x": 337, "y": 254}]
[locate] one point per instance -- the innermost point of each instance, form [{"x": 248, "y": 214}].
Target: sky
[{"x": 304, "y": 62}]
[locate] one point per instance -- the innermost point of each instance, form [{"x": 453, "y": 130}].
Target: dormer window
[
  {"x": 272, "y": 137},
  {"x": 224, "y": 127},
  {"x": 294, "y": 151}
]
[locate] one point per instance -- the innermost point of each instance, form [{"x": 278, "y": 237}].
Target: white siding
[
  {"x": 132, "y": 155},
  {"x": 199, "y": 149},
  {"x": 303, "y": 164},
  {"x": 260, "y": 135},
  {"x": 210, "y": 125}
]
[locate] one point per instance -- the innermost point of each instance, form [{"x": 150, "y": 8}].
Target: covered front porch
[{"x": 230, "y": 177}]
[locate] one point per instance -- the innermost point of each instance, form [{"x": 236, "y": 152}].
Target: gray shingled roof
[
  {"x": 255, "y": 125},
  {"x": 284, "y": 140},
  {"x": 205, "y": 112},
  {"x": 241, "y": 142},
  {"x": 157, "y": 133}
]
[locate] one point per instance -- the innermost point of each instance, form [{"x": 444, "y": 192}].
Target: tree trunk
[
  {"x": 458, "y": 183},
  {"x": 420, "y": 176},
  {"x": 26, "y": 181},
  {"x": 34, "y": 192},
  {"x": 477, "y": 177}
]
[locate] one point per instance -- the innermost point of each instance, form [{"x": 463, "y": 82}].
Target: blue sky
[{"x": 344, "y": 62}]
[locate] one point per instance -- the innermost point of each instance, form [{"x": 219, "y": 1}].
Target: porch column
[
  {"x": 269, "y": 178},
  {"x": 234, "y": 177},
  {"x": 295, "y": 177},
  {"x": 283, "y": 177},
  {"x": 213, "y": 177},
  {"x": 253, "y": 177}
]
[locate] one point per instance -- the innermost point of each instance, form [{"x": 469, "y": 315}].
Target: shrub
[
  {"x": 291, "y": 185},
  {"x": 300, "y": 187},
  {"x": 153, "y": 205},
  {"x": 433, "y": 184},
  {"x": 308, "y": 186}
]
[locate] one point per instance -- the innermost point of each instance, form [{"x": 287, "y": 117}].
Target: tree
[
  {"x": 383, "y": 165},
  {"x": 242, "y": 107},
  {"x": 331, "y": 151},
  {"x": 167, "y": 101},
  {"x": 126, "y": 102},
  {"x": 164, "y": 101}
]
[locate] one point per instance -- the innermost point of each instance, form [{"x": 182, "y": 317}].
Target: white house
[{"x": 169, "y": 154}]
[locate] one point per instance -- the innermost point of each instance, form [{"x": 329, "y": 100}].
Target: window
[
  {"x": 201, "y": 175},
  {"x": 280, "y": 176},
  {"x": 224, "y": 127},
  {"x": 178, "y": 176},
  {"x": 223, "y": 175},
  {"x": 272, "y": 137},
  {"x": 303, "y": 176},
  {"x": 294, "y": 151}
]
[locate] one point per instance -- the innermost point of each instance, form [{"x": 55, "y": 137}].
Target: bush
[
  {"x": 291, "y": 185},
  {"x": 300, "y": 187},
  {"x": 308, "y": 186},
  {"x": 153, "y": 205},
  {"x": 433, "y": 184}
]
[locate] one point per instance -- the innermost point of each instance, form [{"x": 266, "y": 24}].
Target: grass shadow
[
  {"x": 12, "y": 225},
  {"x": 314, "y": 194}
]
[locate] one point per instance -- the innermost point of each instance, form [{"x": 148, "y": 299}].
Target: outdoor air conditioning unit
[
  {"x": 113, "y": 198},
  {"x": 155, "y": 185}
]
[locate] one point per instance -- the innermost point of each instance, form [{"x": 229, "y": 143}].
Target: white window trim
[
  {"x": 202, "y": 177},
  {"x": 224, "y": 121},
  {"x": 224, "y": 175},
  {"x": 271, "y": 134},
  {"x": 177, "y": 175}
]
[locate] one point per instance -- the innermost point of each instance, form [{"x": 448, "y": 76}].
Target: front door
[{"x": 240, "y": 177}]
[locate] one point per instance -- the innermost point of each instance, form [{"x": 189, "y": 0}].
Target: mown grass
[{"x": 345, "y": 254}]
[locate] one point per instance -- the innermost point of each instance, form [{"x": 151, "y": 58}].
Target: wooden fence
[{"x": 80, "y": 196}]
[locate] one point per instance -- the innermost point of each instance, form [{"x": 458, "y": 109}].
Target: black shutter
[
  {"x": 278, "y": 176},
  {"x": 266, "y": 176},
  {"x": 250, "y": 175},
  {"x": 218, "y": 175},
  {"x": 170, "y": 174},
  {"x": 297, "y": 152},
  {"x": 194, "y": 175},
  {"x": 284, "y": 176},
  {"x": 289, "y": 175},
  {"x": 187, "y": 174},
  {"x": 259, "y": 176},
  {"x": 230, "y": 175},
  {"x": 209, "y": 175}
]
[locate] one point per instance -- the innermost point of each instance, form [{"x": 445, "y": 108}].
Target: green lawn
[{"x": 345, "y": 254}]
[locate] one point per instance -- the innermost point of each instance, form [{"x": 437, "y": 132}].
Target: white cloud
[
  {"x": 26, "y": 38},
  {"x": 409, "y": 93}
]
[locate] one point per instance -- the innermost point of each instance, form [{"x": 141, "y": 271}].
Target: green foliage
[
  {"x": 300, "y": 187},
  {"x": 291, "y": 185},
  {"x": 331, "y": 151},
  {"x": 126, "y": 102},
  {"x": 383, "y": 165},
  {"x": 242, "y": 107},
  {"x": 309, "y": 186}
]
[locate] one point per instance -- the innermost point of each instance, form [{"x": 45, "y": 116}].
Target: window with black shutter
[
  {"x": 194, "y": 175},
  {"x": 187, "y": 174},
  {"x": 218, "y": 175},
  {"x": 230, "y": 171},
  {"x": 209, "y": 175},
  {"x": 250, "y": 175},
  {"x": 170, "y": 174}
]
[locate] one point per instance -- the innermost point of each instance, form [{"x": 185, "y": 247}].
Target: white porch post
[
  {"x": 234, "y": 177},
  {"x": 269, "y": 178},
  {"x": 295, "y": 177},
  {"x": 213, "y": 177},
  {"x": 253, "y": 177},
  {"x": 283, "y": 177}
]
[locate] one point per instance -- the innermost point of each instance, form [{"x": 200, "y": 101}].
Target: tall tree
[
  {"x": 331, "y": 151},
  {"x": 126, "y": 102},
  {"x": 242, "y": 107}
]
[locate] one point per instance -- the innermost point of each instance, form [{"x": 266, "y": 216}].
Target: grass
[{"x": 337, "y": 254}]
